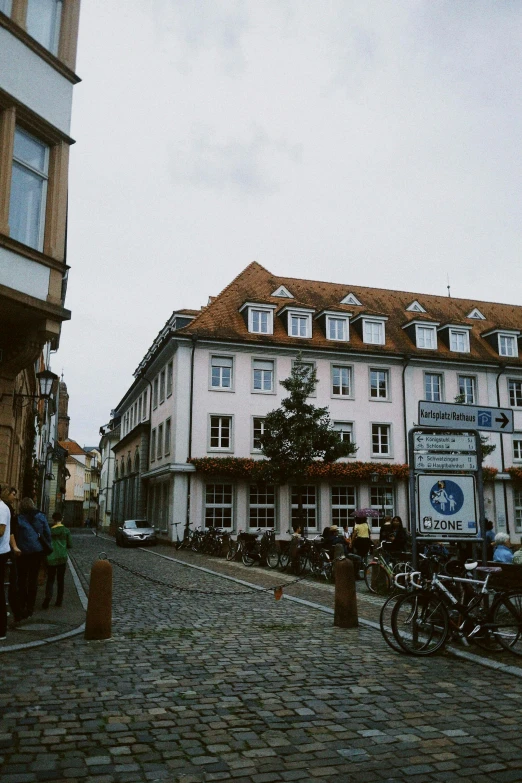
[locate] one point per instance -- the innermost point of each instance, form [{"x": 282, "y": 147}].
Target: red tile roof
[{"x": 72, "y": 447}]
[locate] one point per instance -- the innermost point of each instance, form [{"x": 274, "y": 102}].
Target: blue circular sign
[{"x": 446, "y": 497}]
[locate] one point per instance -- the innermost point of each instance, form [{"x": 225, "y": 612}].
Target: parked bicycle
[
  {"x": 380, "y": 571},
  {"x": 260, "y": 547}
]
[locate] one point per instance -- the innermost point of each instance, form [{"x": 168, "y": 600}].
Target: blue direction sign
[{"x": 465, "y": 417}]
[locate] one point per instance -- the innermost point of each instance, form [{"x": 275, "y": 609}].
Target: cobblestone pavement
[{"x": 230, "y": 685}]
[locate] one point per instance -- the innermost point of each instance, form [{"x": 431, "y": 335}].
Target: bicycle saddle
[
  {"x": 489, "y": 569},
  {"x": 470, "y": 565}
]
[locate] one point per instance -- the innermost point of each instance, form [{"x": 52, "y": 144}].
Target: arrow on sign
[{"x": 503, "y": 420}]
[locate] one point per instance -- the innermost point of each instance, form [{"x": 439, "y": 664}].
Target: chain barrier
[{"x": 276, "y": 589}]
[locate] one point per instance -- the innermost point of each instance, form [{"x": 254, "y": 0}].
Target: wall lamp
[
  {"x": 45, "y": 379},
  {"x": 388, "y": 478}
]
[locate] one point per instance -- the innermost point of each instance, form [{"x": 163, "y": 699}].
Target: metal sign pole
[
  {"x": 480, "y": 491},
  {"x": 413, "y": 505}
]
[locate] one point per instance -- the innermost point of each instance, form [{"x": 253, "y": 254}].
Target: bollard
[
  {"x": 98, "y": 622},
  {"x": 345, "y": 606}
]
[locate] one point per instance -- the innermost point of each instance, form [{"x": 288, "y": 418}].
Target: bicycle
[
  {"x": 380, "y": 571},
  {"x": 423, "y": 620},
  {"x": 261, "y": 547}
]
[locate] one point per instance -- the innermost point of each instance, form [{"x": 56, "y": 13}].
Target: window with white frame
[
  {"x": 218, "y": 505},
  {"x": 343, "y": 504},
  {"x": 515, "y": 393},
  {"x": 373, "y": 332},
  {"x": 159, "y": 452},
  {"x": 381, "y": 499},
  {"x": 517, "y": 445},
  {"x": 170, "y": 373},
  {"x": 381, "y": 443},
  {"x": 341, "y": 380},
  {"x": 299, "y": 325},
  {"x": 426, "y": 337},
  {"x": 507, "y": 345},
  {"x": 153, "y": 445},
  {"x": 162, "y": 387},
  {"x": 258, "y": 428},
  {"x": 459, "y": 340},
  {"x": 309, "y": 505},
  {"x": 336, "y": 328},
  {"x": 467, "y": 389},
  {"x": 263, "y": 375},
  {"x": 28, "y": 190},
  {"x": 155, "y": 390},
  {"x": 433, "y": 386},
  {"x": 379, "y": 384},
  {"x": 145, "y": 398},
  {"x": 517, "y": 497},
  {"x": 221, "y": 432},
  {"x": 168, "y": 434},
  {"x": 345, "y": 430},
  {"x": 260, "y": 321},
  {"x": 43, "y": 22},
  {"x": 262, "y": 506},
  {"x": 139, "y": 408},
  {"x": 221, "y": 372}
]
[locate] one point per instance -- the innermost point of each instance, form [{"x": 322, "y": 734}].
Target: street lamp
[{"x": 45, "y": 379}]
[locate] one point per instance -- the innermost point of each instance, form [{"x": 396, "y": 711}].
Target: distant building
[{"x": 110, "y": 435}]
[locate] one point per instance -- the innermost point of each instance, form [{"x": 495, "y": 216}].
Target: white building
[{"x": 205, "y": 386}]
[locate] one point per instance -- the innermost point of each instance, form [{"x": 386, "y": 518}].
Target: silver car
[{"x": 135, "y": 531}]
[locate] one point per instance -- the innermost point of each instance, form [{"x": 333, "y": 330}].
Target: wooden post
[
  {"x": 98, "y": 622},
  {"x": 345, "y": 606}
]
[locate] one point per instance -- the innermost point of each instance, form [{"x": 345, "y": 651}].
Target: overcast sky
[{"x": 357, "y": 141}]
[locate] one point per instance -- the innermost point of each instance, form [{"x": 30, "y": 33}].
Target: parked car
[{"x": 135, "y": 531}]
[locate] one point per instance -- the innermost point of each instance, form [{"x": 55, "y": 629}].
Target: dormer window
[
  {"x": 373, "y": 331},
  {"x": 459, "y": 340},
  {"x": 507, "y": 345},
  {"x": 476, "y": 314},
  {"x": 415, "y": 307},
  {"x": 298, "y": 321},
  {"x": 336, "y": 328},
  {"x": 426, "y": 337},
  {"x": 283, "y": 292},
  {"x": 350, "y": 299},
  {"x": 260, "y": 317}
]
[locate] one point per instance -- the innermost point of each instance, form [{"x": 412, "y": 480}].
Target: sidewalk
[{"x": 52, "y": 624}]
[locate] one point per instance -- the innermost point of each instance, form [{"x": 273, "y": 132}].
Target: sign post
[{"x": 446, "y": 486}]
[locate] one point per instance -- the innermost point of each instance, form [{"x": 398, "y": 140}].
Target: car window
[
  {"x": 129, "y": 525},
  {"x": 141, "y": 523}
]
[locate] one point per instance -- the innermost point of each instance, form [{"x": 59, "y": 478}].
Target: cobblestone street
[{"x": 229, "y": 684}]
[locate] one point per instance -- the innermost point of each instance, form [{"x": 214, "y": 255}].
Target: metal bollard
[
  {"x": 345, "y": 605},
  {"x": 98, "y": 622}
]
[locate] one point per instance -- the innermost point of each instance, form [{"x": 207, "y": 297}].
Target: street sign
[
  {"x": 424, "y": 442},
  {"x": 445, "y": 462},
  {"x": 447, "y": 506},
  {"x": 465, "y": 417}
]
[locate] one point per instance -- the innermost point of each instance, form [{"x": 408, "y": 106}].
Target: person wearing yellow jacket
[{"x": 57, "y": 560}]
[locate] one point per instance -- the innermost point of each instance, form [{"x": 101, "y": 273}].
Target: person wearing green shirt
[{"x": 57, "y": 560}]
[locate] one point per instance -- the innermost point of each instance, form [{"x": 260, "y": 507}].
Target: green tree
[
  {"x": 298, "y": 434},
  {"x": 486, "y": 446}
]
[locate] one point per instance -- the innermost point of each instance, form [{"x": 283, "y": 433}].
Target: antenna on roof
[{"x": 449, "y": 287}]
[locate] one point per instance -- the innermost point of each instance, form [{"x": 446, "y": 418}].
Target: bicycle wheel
[
  {"x": 420, "y": 623},
  {"x": 385, "y": 622},
  {"x": 377, "y": 578},
  {"x": 299, "y": 564},
  {"x": 507, "y": 617},
  {"x": 248, "y": 558},
  {"x": 272, "y": 557},
  {"x": 232, "y": 550}
]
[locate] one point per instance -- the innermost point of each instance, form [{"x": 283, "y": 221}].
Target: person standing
[
  {"x": 57, "y": 560},
  {"x": 33, "y": 536},
  {"x": 361, "y": 538},
  {"x": 8, "y": 495},
  {"x": 490, "y": 538},
  {"x": 5, "y": 549}
]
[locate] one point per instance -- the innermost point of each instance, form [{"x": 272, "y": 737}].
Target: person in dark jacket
[
  {"x": 399, "y": 538},
  {"x": 57, "y": 560},
  {"x": 8, "y": 495},
  {"x": 33, "y": 528}
]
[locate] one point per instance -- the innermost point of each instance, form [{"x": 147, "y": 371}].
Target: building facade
[
  {"x": 209, "y": 383},
  {"x": 37, "y": 61}
]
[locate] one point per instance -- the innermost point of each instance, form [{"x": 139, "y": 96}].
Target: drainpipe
[
  {"x": 502, "y": 459},
  {"x": 405, "y": 424},
  {"x": 191, "y": 401}
]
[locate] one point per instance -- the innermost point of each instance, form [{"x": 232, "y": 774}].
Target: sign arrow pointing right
[{"x": 503, "y": 420}]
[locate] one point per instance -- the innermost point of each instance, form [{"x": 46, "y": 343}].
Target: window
[
  {"x": 336, "y": 328},
  {"x": 28, "y": 190},
  {"x": 162, "y": 387},
  {"x": 159, "y": 452},
  {"x": 263, "y": 375},
  {"x": 155, "y": 393},
  {"x": 381, "y": 440},
  {"x": 341, "y": 381},
  {"x": 170, "y": 373},
  {"x": 220, "y": 432},
  {"x": 145, "y": 396},
  {"x": 139, "y": 409},
  {"x": 373, "y": 332},
  {"x": 459, "y": 340},
  {"x": 43, "y": 22},
  {"x": 260, "y": 321},
  {"x": 433, "y": 387},
  {"x": 345, "y": 429},
  {"x": 153, "y": 445},
  {"x": 218, "y": 505},
  {"x": 507, "y": 345},
  {"x": 517, "y": 446},
  {"x": 261, "y": 507},
  {"x": 467, "y": 389},
  {"x": 343, "y": 505},
  {"x": 518, "y": 509},
  {"x": 515, "y": 393},
  {"x": 221, "y": 372},
  {"x": 426, "y": 337},
  {"x": 379, "y": 384},
  {"x": 381, "y": 499},
  {"x": 258, "y": 428},
  {"x": 299, "y": 325},
  {"x": 309, "y": 503},
  {"x": 168, "y": 429}
]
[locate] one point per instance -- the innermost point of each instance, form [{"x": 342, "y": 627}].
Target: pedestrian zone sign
[{"x": 447, "y": 506}]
